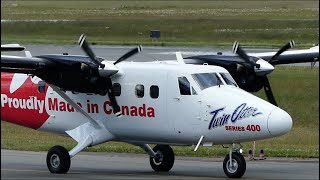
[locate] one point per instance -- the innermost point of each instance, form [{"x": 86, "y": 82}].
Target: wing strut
[
  {"x": 313, "y": 63},
  {"x": 87, "y": 134},
  {"x": 75, "y": 105}
]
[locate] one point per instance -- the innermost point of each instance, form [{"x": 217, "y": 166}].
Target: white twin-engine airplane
[{"x": 95, "y": 101}]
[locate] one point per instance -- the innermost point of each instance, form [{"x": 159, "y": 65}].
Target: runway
[
  {"x": 149, "y": 53},
  {"x": 89, "y": 165}
]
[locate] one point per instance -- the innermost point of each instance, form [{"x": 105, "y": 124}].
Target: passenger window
[
  {"x": 139, "y": 91},
  {"x": 116, "y": 88},
  {"x": 184, "y": 86},
  {"x": 154, "y": 91},
  {"x": 41, "y": 87}
]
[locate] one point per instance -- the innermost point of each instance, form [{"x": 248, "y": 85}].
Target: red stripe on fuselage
[{"x": 22, "y": 107}]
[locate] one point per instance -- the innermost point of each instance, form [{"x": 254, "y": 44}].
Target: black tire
[
  {"x": 58, "y": 160},
  {"x": 166, "y": 158},
  {"x": 240, "y": 166}
]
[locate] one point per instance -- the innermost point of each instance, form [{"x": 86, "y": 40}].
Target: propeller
[
  {"x": 86, "y": 48},
  {"x": 128, "y": 54},
  {"x": 266, "y": 65},
  {"x": 289, "y": 45},
  {"x": 112, "y": 98},
  {"x": 268, "y": 91},
  {"x": 110, "y": 69},
  {"x": 236, "y": 49},
  {"x": 243, "y": 55}
]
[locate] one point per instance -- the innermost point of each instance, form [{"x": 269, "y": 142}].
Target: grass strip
[{"x": 187, "y": 23}]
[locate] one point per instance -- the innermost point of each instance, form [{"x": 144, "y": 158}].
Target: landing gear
[
  {"x": 58, "y": 160},
  {"x": 164, "y": 159},
  {"x": 234, "y": 165}
]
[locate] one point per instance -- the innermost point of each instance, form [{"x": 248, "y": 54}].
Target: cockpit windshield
[
  {"x": 228, "y": 79},
  {"x": 206, "y": 80}
]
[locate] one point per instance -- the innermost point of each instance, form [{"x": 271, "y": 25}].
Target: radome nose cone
[{"x": 279, "y": 122}]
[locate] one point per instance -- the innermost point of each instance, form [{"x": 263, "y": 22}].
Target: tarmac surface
[
  {"x": 149, "y": 53},
  {"x": 90, "y": 165}
]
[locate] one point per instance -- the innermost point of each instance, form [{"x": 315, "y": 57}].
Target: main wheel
[
  {"x": 164, "y": 159},
  {"x": 235, "y": 168},
  {"x": 58, "y": 160}
]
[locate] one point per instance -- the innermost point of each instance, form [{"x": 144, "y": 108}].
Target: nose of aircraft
[{"x": 279, "y": 122}]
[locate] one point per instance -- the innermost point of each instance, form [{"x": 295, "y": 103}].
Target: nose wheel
[
  {"x": 164, "y": 159},
  {"x": 234, "y": 167}
]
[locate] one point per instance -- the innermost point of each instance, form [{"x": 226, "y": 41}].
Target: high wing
[
  {"x": 219, "y": 60},
  {"x": 250, "y": 70},
  {"x": 74, "y": 73},
  {"x": 18, "y": 64},
  {"x": 12, "y": 47},
  {"x": 289, "y": 57},
  {"x": 82, "y": 74}
]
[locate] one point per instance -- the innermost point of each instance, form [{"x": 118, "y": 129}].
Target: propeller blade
[
  {"x": 236, "y": 49},
  {"x": 86, "y": 48},
  {"x": 268, "y": 91},
  {"x": 289, "y": 45},
  {"x": 114, "y": 104},
  {"x": 129, "y": 54}
]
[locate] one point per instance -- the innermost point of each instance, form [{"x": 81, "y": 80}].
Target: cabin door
[{"x": 183, "y": 106}]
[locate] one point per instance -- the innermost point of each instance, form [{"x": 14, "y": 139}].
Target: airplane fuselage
[{"x": 157, "y": 114}]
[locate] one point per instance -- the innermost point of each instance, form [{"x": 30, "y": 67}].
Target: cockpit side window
[
  {"x": 228, "y": 79},
  {"x": 194, "y": 92},
  {"x": 184, "y": 86}
]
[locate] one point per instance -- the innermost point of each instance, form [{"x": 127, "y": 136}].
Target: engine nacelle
[{"x": 251, "y": 82}]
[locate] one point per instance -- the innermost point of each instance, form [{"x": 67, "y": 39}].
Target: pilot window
[
  {"x": 41, "y": 86},
  {"x": 154, "y": 91},
  {"x": 139, "y": 91},
  {"x": 184, "y": 86},
  {"x": 116, "y": 88},
  {"x": 206, "y": 80},
  {"x": 228, "y": 79}
]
